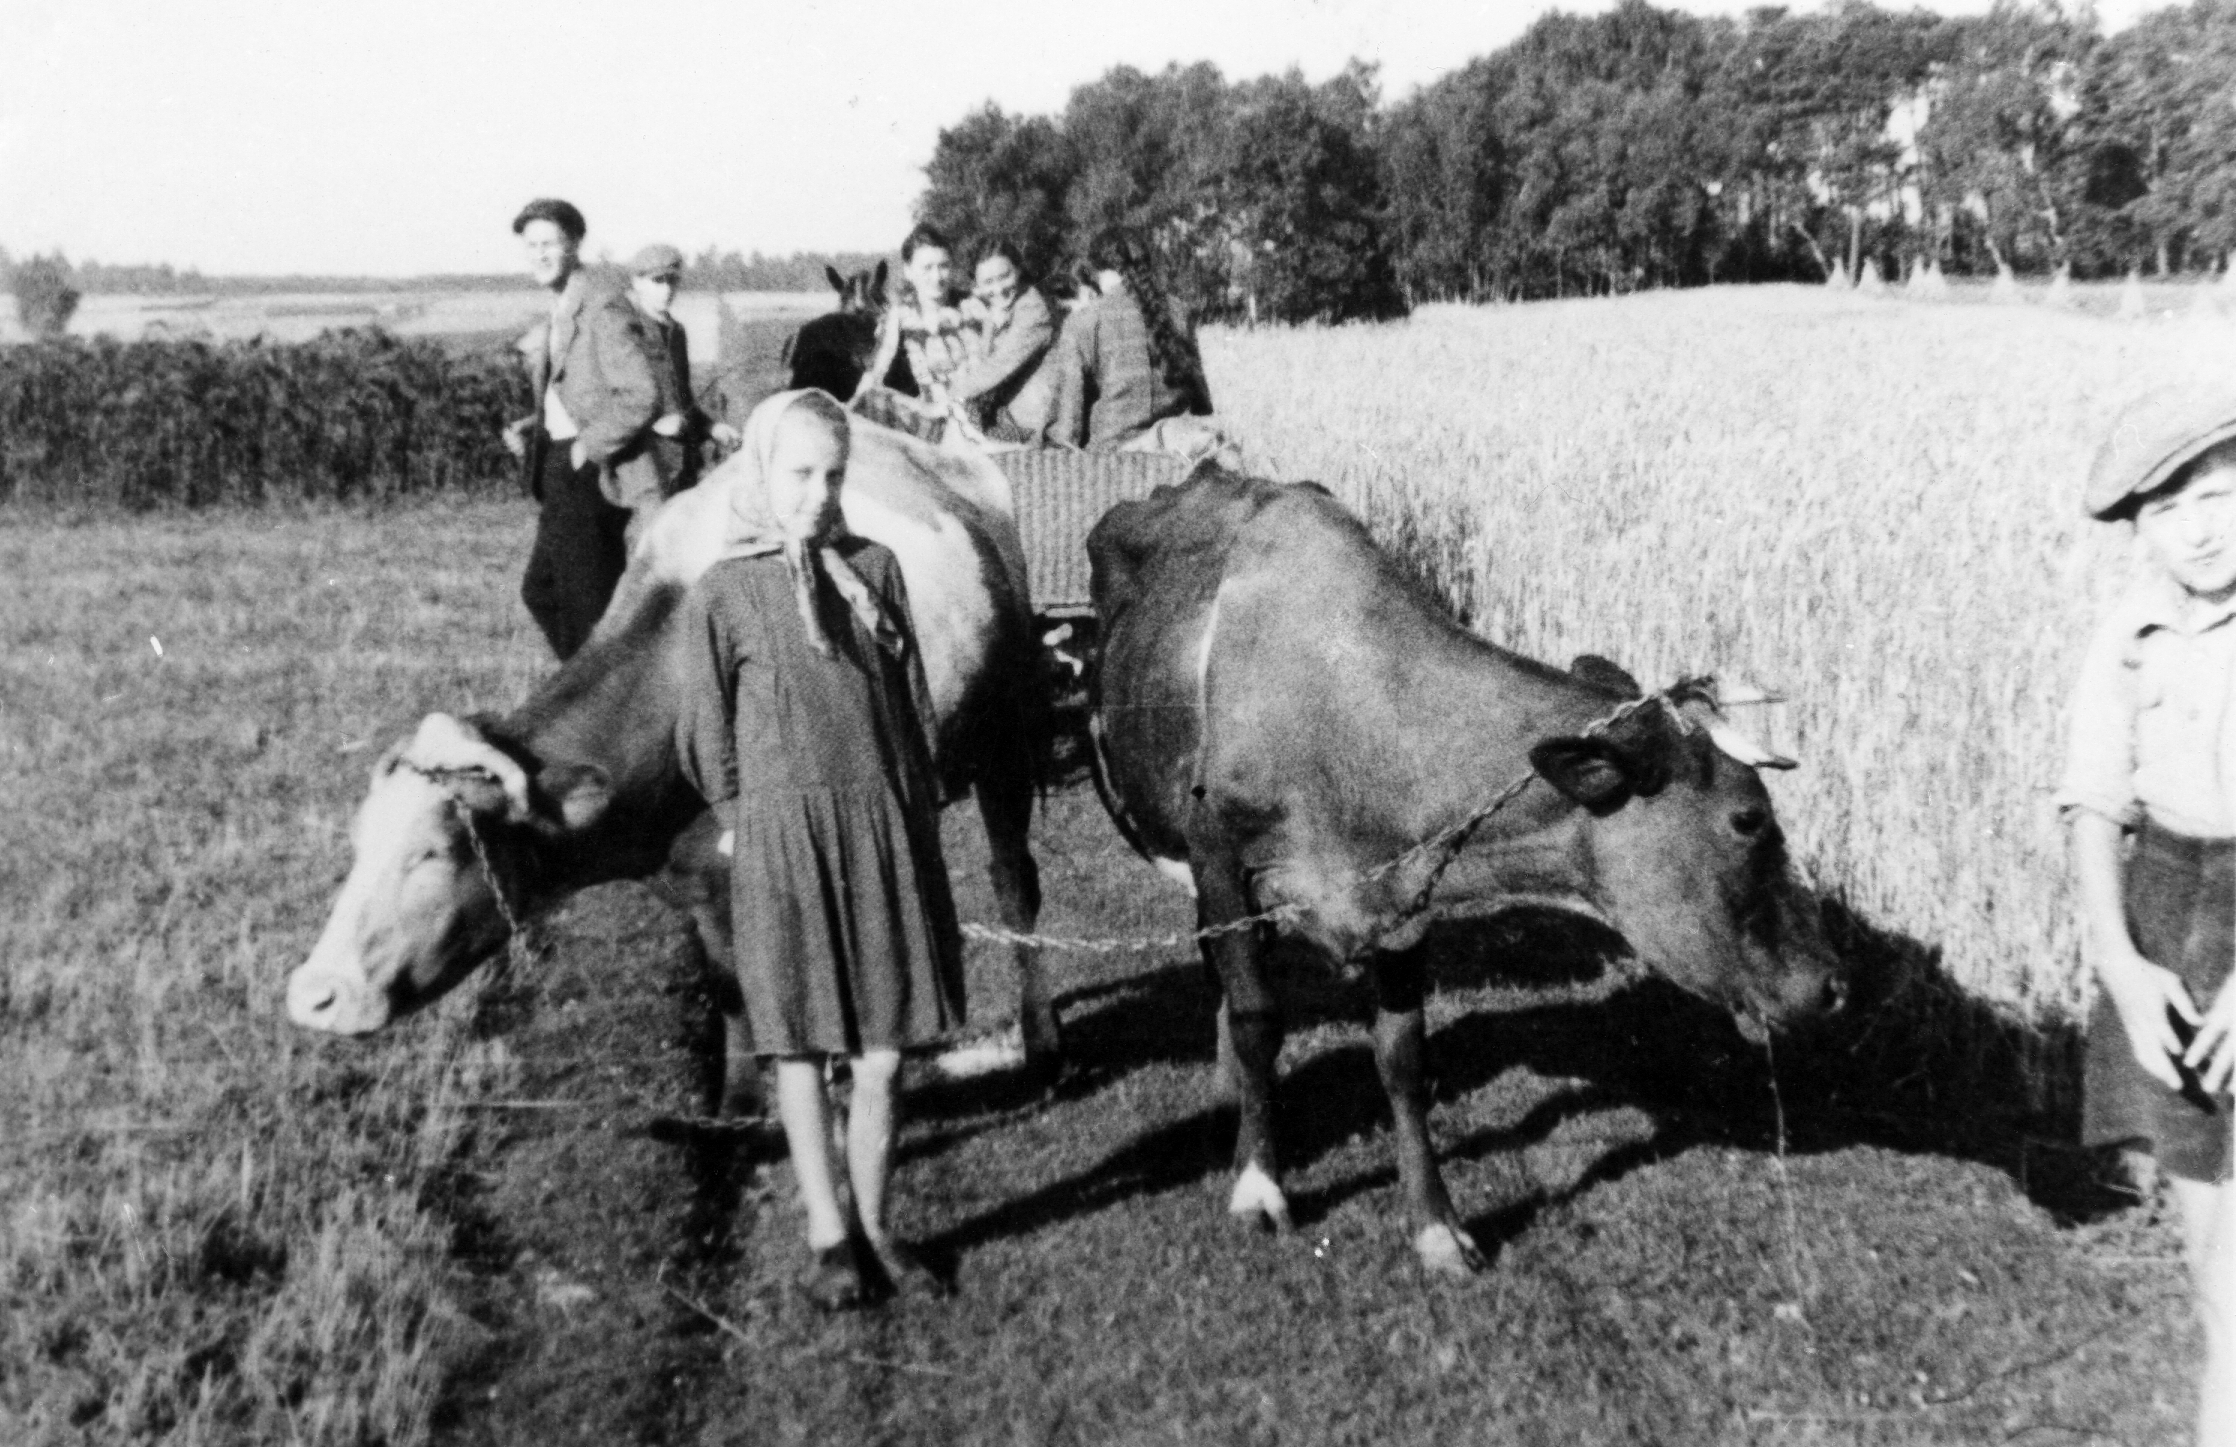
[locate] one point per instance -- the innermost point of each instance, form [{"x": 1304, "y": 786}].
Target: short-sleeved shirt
[{"x": 2154, "y": 714}]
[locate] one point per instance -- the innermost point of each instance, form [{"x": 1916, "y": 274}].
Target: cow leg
[
  {"x": 697, "y": 884},
  {"x": 1250, "y": 1037},
  {"x": 1005, "y": 806},
  {"x": 1400, "y": 1045}
]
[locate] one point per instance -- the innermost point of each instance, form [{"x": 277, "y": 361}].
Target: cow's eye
[{"x": 1750, "y": 821}]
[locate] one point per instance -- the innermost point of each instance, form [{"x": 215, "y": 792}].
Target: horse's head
[{"x": 862, "y": 294}]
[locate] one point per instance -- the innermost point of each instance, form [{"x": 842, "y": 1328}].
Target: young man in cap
[
  {"x": 585, "y": 445},
  {"x": 682, "y": 429},
  {"x": 2150, "y": 790}
]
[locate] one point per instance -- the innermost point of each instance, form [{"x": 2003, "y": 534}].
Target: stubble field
[{"x": 217, "y": 1230}]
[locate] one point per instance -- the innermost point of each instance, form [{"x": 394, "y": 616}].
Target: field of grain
[
  {"x": 1870, "y": 507},
  {"x": 216, "y": 1230}
]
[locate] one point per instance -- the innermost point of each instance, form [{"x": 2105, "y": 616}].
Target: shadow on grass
[{"x": 1915, "y": 1064}]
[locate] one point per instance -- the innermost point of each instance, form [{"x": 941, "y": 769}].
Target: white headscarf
[{"x": 808, "y": 545}]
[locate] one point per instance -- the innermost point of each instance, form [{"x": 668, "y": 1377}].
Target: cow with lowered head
[
  {"x": 1280, "y": 714},
  {"x": 473, "y": 824}
]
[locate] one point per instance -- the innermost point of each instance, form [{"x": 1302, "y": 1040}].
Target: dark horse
[{"x": 833, "y": 350}]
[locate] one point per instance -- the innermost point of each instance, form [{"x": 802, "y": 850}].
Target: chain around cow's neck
[
  {"x": 1446, "y": 844},
  {"x": 488, "y": 870},
  {"x": 440, "y": 778}
]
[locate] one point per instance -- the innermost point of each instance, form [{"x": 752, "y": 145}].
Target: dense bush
[
  {"x": 350, "y": 414},
  {"x": 45, "y": 300}
]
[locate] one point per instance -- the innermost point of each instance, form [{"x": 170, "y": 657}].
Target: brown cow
[{"x": 1280, "y": 713}]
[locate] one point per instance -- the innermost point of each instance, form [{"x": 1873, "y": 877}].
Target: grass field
[{"x": 216, "y": 1230}]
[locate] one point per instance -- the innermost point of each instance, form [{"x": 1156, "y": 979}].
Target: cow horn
[
  {"x": 1743, "y": 748},
  {"x": 445, "y": 743},
  {"x": 1724, "y": 735}
]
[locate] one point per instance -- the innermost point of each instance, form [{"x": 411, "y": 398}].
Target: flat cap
[
  {"x": 658, "y": 259},
  {"x": 550, "y": 208},
  {"x": 2153, "y": 440}
]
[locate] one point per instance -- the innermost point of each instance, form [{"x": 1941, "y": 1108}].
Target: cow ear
[
  {"x": 838, "y": 283},
  {"x": 1588, "y": 771},
  {"x": 877, "y": 281},
  {"x": 1600, "y": 772},
  {"x": 1604, "y": 673},
  {"x": 578, "y": 795}
]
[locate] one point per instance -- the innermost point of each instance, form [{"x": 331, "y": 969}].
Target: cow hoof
[
  {"x": 1257, "y": 1200},
  {"x": 1043, "y": 1064},
  {"x": 981, "y": 1057},
  {"x": 1447, "y": 1250}
]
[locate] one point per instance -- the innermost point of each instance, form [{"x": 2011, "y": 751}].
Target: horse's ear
[
  {"x": 877, "y": 280},
  {"x": 838, "y": 283}
]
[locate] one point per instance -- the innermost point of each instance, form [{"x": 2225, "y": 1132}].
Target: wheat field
[{"x": 1868, "y": 507}]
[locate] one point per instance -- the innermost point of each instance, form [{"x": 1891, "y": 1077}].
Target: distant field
[
  {"x": 290, "y": 318},
  {"x": 214, "y": 1229}
]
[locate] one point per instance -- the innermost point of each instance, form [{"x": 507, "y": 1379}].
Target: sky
[{"x": 397, "y": 138}]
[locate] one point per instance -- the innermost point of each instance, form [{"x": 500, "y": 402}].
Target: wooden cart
[{"x": 1060, "y": 496}]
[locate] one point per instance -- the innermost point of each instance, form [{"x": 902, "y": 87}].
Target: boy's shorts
[{"x": 2181, "y": 914}]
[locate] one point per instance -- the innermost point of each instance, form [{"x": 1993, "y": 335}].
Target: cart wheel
[{"x": 1068, "y": 646}]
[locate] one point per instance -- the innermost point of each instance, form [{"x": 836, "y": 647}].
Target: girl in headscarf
[{"x": 807, "y": 723}]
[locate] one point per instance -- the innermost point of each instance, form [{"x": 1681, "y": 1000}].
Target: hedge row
[{"x": 350, "y": 414}]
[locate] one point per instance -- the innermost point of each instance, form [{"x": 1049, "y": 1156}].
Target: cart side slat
[{"x": 1060, "y": 497}]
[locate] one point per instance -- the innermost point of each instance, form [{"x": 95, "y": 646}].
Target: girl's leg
[
  {"x": 869, "y": 1138},
  {"x": 805, "y": 1111},
  {"x": 2209, "y": 1226},
  {"x": 869, "y": 1160}
]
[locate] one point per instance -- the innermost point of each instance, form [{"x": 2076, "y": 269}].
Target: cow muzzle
[
  {"x": 1798, "y": 996},
  {"x": 336, "y": 1001}
]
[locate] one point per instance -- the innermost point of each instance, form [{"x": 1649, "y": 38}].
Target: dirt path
[{"x": 593, "y": 1196}]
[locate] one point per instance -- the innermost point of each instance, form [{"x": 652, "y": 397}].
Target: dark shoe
[
  {"x": 833, "y": 1280},
  {"x": 907, "y": 1273}
]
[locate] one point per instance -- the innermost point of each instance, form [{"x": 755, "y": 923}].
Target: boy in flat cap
[
  {"x": 2150, "y": 791},
  {"x": 682, "y": 430},
  {"x": 585, "y": 445}
]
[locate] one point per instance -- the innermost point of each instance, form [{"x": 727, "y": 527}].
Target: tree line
[{"x": 1639, "y": 148}]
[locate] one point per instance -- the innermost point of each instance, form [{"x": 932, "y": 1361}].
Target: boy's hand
[
  {"x": 725, "y": 435},
  {"x": 2147, "y": 996},
  {"x": 2212, "y": 1054}
]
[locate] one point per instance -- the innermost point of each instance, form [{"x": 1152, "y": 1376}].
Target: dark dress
[
  {"x": 845, "y": 929},
  {"x": 2181, "y": 914}
]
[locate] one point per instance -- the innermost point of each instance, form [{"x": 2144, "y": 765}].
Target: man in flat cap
[
  {"x": 682, "y": 430},
  {"x": 586, "y": 447}
]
